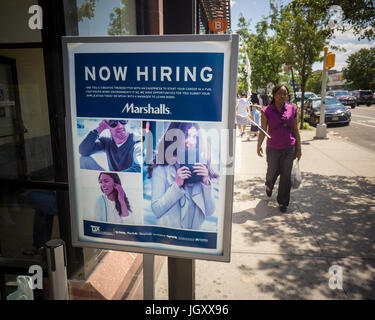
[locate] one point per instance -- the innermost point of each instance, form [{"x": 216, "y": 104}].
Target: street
[{"x": 361, "y": 129}]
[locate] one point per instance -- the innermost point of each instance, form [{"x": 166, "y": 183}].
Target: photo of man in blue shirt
[{"x": 121, "y": 148}]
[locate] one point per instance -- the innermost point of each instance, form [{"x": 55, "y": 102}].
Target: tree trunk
[{"x": 303, "y": 83}]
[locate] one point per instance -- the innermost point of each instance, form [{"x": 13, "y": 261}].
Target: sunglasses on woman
[{"x": 113, "y": 123}]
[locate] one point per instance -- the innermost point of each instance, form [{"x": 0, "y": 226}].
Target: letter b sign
[{"x": 217, "y": 25}]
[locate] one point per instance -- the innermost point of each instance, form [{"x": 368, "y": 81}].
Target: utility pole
[
  {"x": 328, "y": 63},
  {"x": 321, "y": 128}
]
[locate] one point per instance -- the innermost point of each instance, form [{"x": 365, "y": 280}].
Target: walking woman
[{"x": 279, "y": 120}]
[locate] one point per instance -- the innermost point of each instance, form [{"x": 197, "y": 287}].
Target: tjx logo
[{"x": 95, "y": 228}]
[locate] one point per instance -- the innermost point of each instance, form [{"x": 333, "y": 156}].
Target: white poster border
[{"x": 228, "y": 44}]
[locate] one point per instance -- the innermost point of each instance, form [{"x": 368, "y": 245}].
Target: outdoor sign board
[{"x": 150, "y": 138}]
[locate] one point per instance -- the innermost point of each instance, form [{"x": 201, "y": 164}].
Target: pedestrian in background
[
  {"x": 265, "y": 100},
  {"x": 255, "y": 116},
  {"x": 260, "y": 101},
  {"x": 242, "y": 113},
  {"x": 254, "y": 98},
  {"x": 279, "y": 120}
]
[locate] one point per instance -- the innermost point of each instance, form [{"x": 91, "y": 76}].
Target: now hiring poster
[{"x": 149, "y": 122}]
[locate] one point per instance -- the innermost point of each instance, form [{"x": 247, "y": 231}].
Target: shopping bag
[
  {"x": 296, "y": 177},
  {"x": 245, "y": 120},
  {"x": 24, "y": 290}
]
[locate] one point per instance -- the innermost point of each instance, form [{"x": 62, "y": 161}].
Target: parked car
[
  {"x": 297, "y": 99},
  {"x": 355, "y": 94},
  {"x": 344, "y": 97},
  {"x": 335, "y": 111},
  {"x": 365, "y": 97}
]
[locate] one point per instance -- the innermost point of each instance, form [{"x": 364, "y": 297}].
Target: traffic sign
[{"x": 330, "y": 60}]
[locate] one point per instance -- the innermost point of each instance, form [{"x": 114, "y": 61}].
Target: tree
[
  {"x": 360, "y": 70},
  {"x": 264, "y": 54},
  {"x": 358, "y": 15},
  {"x": 244, "y": 34},
  {"x": 302, "y": 34},
  {"x": 119, "y": 20},
  {"x": 86, "y": 10},
  {"x": 314, "y": 83}
]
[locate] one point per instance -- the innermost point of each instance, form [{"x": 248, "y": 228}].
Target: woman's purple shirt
[{"x": 280, "y": 126}]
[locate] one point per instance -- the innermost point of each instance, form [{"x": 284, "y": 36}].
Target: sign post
[
  {"x": 150, "y": 140},
  {"x": 321, "y": 128},
  {"x": 181, "y": 279}
]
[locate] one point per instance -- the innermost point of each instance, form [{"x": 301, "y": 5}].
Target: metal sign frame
[{"x": 232, "y": 41}]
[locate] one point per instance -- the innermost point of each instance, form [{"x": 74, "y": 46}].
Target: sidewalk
[{"x": 330, "y": 221}]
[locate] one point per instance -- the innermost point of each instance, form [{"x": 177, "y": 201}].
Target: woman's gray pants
[{"x": 280, "y": 162}]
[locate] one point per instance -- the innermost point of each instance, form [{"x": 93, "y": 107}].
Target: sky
[{"x": 255, "y": 10}]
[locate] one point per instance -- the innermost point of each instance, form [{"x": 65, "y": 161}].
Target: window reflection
[
  {"x": 28, "y": 219},
  {"x": 14, "y": 18},
  {"x": 106, "y": 17},
  {"x": 25, "y": 139}
]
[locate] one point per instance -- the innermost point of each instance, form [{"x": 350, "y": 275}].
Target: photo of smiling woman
[
  {"x": 181, "y": 178},
  {"x": 113, "y": 204}
]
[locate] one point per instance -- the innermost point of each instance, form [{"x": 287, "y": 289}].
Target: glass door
[{"x": 12, "y": 143}]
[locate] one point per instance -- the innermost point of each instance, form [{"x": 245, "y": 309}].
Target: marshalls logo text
[{"x": 161, "y": 109}]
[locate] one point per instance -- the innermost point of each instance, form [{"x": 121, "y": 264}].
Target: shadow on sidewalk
[{"x": 331, "y": 220}]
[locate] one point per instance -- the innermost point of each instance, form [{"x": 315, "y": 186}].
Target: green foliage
[
  {"x": 241, "y": 79},
  {"x": 303, "y": 33},
  {"x": 86, "y": 10},
  {"x": 244, "y": 34},
  {"x": 263, "y": 52},
  {"x": 266, "y": 56},
  {"x": 314, "y": 83},
  {"x": 306, "y": 126},
  {"x": 300, "y": 35},
  {"x": 119, "y": 20},
  {"x": 360, "y": 70},
  {"x": 357, "y": 15}
]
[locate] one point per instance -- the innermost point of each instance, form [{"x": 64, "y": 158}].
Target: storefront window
[
  {"x": 106, "y": 17},
  {"x": 25, "y": 143},
  {"x": 14, "y": 22},
  {"x": 28, "y": 215},
  {"x": 28, "y": 219}
]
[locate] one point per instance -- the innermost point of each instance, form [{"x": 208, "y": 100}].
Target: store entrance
[{"x": 12, "y": 143}]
